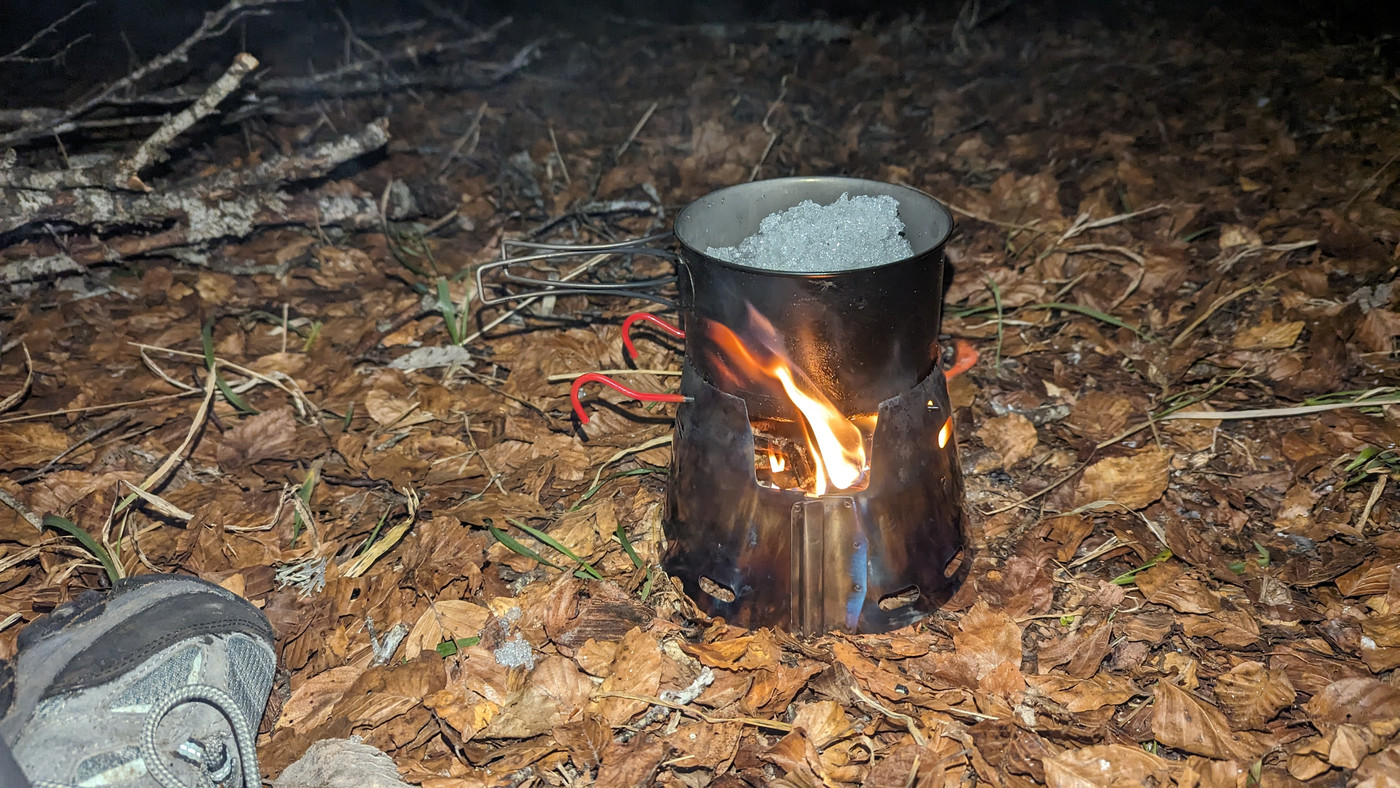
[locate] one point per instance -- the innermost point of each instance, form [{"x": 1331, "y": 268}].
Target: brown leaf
[
  {"x": 634, "y": 764},
  {"x": 1104, "y": 689},
  {"x": 1268, "y": 335},
  {"x": 447, "y": 619},
  {"x": 989, "y": 637},
  {"x": 1104, "y": 766},
  {"x": 553, "y": 692},
  {"x": 823, "y": 722},
  {"x": 1099, "y": 415},
  {"x": 637, "y": 670},
  {"x": 270, "y": 435},
  {"x": 1251, "y": 694},
  {"x": 579, "y": 611},
  {"x": 1355, "y": 700},
  {"x": 30, "y": 444},
  {"x": 1233, "y": 628},
  {"x": 1172, "y": 585},
  {"x": 1012, "y": 436},
  {"x": 1133, "y": 481},
  {"x": 1185, "y": 722},
  {"x": 1381, "y": 770}
]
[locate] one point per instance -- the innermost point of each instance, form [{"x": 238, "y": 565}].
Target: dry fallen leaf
[
  {"x": 1185, "y": 722},
  {"x": 989, "y": 637},
  {"x": 1011, "y": 436},
  {"x": 270, "y": 435},
  {"x": 1104, "y": 766},
  {"x": 1251, "y": 694},
  {"x": 1133, "y": 481},
  {"x": 1268, "y": 335}
]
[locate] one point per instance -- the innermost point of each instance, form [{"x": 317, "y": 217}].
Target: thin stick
[
  {"x": 153, "y": 149},
  {"x": 637, "y": 129},
  {"x": 93, "y": 408},
  {"x": 1371, "y": 181},
  {"x": 18, "y": 56},
  {"x": 1217, "y": 304},
  {"x": 1371, "y": 502},
  {"x": 564, "y": 168},
  {"x": 1266, "y": 413},
  {"x": 669, "y": 373},
  {"x": 215, "y": 24},
  {"x": 754, "y": 721},
  {"x": 22, "y": 510},
  {"x": 909, "y": 722},
  {"x": 1035, "y": 495},
  {"x": 17, "y": 397}
]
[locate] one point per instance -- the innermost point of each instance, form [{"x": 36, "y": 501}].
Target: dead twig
[
  {"x": 215, "y": 24},
  {"x": 18, "y": 55},
  {"x": 1217, "y": 304},
  {"x": 153, "y": 149},
  {"x": 637, "y": 129}
]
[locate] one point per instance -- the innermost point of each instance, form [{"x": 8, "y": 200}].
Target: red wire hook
[
  {"x": 650, "y": 318},
  {"x": 596, "y": 377},
  {"x": 965, "y": 356}
]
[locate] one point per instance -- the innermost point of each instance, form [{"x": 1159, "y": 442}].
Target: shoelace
[{"x": 223, "y": 703}]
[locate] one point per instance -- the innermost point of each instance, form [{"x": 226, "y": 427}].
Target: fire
[
  {"x": 835, "y": 444},
  {"x": 945, "y": 432}
]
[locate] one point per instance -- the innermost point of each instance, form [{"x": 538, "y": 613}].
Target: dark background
[{"x": 310, "y": 34}]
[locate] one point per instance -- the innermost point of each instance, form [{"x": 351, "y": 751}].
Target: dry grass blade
[
  {"x": 772, "y": 725},
  {"x": 18, "y": 397},
  {"x": 176, "y": 457},
  {"x": 664, "y": 440},
  {"x": 160, "y": 504},
  {"x": 375, "y": 551},
  {"x": 1268, "y": 413},
  {"x": 909, "y": 722}
]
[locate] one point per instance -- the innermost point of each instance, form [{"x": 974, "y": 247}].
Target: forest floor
[{"x": 1149, "y": 224}]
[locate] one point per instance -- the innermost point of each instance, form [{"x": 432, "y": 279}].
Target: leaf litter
[{"x": 468, "y": 581}]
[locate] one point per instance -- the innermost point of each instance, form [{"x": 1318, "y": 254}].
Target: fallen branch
[
  {"x": 215, "y": 24},
  {"x": 153, "y": 149}
]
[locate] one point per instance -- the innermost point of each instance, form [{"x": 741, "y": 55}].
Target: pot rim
[{"x": 686, "y": 223}]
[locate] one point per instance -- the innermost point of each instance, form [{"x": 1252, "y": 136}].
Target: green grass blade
[
  {"x": 627, "y": 545},
  {"x": 449, "y": 647},
  {"x": 448, "y": 310},
  {"x": 1127, "y": 578},
  {"x": 307, "y": 487},
  {"x": 516, "y": 547},
  {"x": 233, "y": 399},
  {"x": 1096, "y": 314},
  {"x": 85, "y": 539},
  {"x": 557, "y": 545},
  {"x": 592, "y": 491}
]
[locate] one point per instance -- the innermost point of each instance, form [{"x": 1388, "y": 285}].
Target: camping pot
[{"x": 861, "y": 335}]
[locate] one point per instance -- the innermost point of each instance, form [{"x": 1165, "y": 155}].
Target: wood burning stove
[{"x": 814, "y": 481}]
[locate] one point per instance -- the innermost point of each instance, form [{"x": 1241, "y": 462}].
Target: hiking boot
[{"x": 159, "y": 682}]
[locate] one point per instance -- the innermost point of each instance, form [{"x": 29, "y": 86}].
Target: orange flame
[
  {"x": 777, "y": 463},
  {"x": 945, "y": 432},
  {"x": 837, "y": 446}
]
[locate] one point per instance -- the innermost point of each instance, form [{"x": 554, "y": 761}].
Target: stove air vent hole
[
  {"x": 901, "y": 598},
  {"x": 717, "y": 590},
  {"x": 954, "y": 563}
]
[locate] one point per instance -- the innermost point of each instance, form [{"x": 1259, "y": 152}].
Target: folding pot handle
[{"x": 595, "y": 377}]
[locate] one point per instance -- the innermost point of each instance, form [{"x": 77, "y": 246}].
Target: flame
[
  {"x": 776, "y": 462},
  {"x": 945, "y": 432},
  {"x": 837, "y": 446}
]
